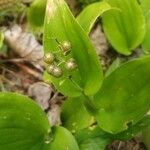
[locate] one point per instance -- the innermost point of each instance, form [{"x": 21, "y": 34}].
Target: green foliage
[
  {"x": 123, "y": 92},
  {"x": 133, "y": 130},
  {"x": 96, "y": 111},
  {"x": 86, "y": 2},
  {"x": 24, "y": 126},
  {"x": 146, "y": 134},
  {"x": 90, "y": 14},
  {"x": 72, "y": 110},
  {"x": 62, "y": 140},
  {"x": 92, "y": 139},
  {"x": 61, "y": 25},
  {"x": 124, "y": 29},
  {"x": 36, "y": 13},
  {"x": 145, "y": 5},
  {"x": 146, "y": 43}
]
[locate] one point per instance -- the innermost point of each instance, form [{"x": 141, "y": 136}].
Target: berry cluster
[{"x": 53, "y": 62}]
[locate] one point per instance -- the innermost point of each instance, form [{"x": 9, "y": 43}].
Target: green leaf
[
  {"x": 145, "y": 5},
  {"x": 90, "y": 14},
  {"x": 63, "y": 140},
  {"x": 86, "y": 2},
  {"x": 146, "y": 43},
  {"x": 92, "y": 139},
  {"x": 61, "y": 25},
  {"x": 146, "y": 134},
  {"x": 124, "y": 96},
  {"x": 133, "y": 129},
  {"x": 124, "y": 29},
  {"x": 116, "y": 63},
  {"x": 36, "y": 13},
  {"x": 74, "y": 114},
  {"x": 24, "y": 126}
]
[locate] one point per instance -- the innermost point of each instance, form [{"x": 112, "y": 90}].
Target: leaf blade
[
  {"x": 19, "y": 118},
  {"x": 71, "y": 114},
  {"x": 90, "y": 14},
  {"x": 61, "y": 25},
  {"x": 129, "y": 93},
  {"x": 124, "y": 29},
  {"x": 63, "y": 140}
]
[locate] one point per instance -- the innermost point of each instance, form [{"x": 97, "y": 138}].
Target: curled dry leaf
[
  {"x": 54, "y": 115},
  {"x": 24, "y": 44},
  {"x": 41, "y": 92}
]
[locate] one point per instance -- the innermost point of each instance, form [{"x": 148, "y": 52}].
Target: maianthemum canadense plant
[{"x": 100, "y": 107}]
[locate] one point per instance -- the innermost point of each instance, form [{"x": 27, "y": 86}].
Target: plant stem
[{"x": 89, "y": 104}]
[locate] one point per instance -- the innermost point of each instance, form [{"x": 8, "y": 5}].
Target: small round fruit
[
  {"x": 50, "y": 69},
  {"x": 71, "y": 64},
  {"x": 57, "y": 72},
  {"x": 66, "y": 46},
  {"x": 54, "y": 71},
  {"x": 49, "y": 58}
]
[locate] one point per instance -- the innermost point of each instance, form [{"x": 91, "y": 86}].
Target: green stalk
[{"x": 146, "y": 135}]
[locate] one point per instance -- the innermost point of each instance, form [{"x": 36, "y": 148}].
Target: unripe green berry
[
  {"x": 57, "y": 72},
  {"x": 49, "y": 58},
  {"x": 71, "y": 64},
  {"x": 54, "y": 71},
  {"x": 66, "y": 46},
  {"x": 50, "y": 68}
]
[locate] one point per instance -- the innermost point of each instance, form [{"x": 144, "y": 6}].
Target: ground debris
[
  {"x": 134, "y": 144},
  {"x": 41, "y": 93},
  {"x": 54, "y": 115},
  {"x": 24, "y": 44}
]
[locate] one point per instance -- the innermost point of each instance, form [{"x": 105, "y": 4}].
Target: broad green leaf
[
  {"x": 146, "y": 134},
  {"x": 92, "y": 139},
  {"x": 116, "y": 63},
  {"x": 90, "y": 14},
  {"x": 61, "y": 25},
  {"x": 124, "y": 29},
  {"x": 145, "y": 5},
  {"x": 63, "y": 140},
  {"x": 74, "y": 114},
  {"x": 132, "y": 131},
  {"x": 124, "y": 96},
  {"x": 23, "y": 125},
  {"x": 36, "y": 13},
  {"x": 146, "y": 43}
]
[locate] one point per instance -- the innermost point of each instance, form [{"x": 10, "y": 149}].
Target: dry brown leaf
[
  {"x": 41, "y": 92},
  {"x": 24, "y": 44}
]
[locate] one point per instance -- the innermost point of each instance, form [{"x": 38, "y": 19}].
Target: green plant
[
  {"x": 25, "y": 126},
  {"x": 86, "y": 2},
  {"x": 113, "y": 107},
  {"x": 100, "y": 107}
]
